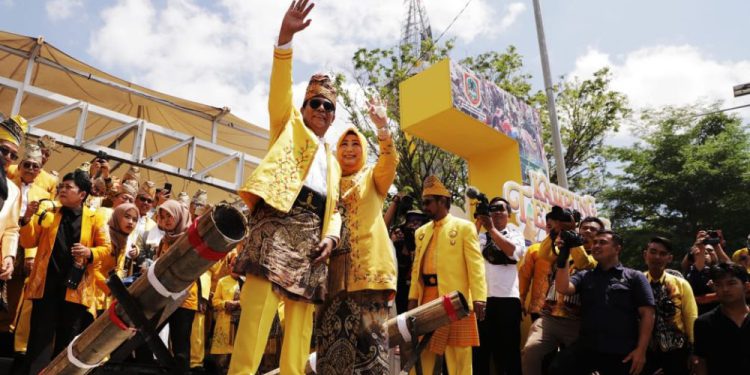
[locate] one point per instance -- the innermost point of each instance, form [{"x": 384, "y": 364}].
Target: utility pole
[{"x": 562, "y": 176}]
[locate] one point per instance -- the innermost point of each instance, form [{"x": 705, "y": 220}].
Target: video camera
[
  {"x": 483, "y": 204},
  {"x": 568, "y": 218}
]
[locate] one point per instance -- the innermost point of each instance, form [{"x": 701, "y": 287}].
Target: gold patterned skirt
[
  {"x": 280, "y": 247},
  {"x": 350, "y": 336}
]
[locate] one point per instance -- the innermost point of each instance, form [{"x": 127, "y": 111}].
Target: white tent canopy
[{"x": 87, "y": 110}]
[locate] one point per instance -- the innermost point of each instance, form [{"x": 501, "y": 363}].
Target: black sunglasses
[
  {"x": 317, "y": 102},
  {"x": 6, "y": 151},
  {"x": 145, "y": 200},
  {"x": 31, "y": 165}
]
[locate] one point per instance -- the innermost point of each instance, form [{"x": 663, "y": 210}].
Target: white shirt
[
  {"x": 316, "y": 176},
  {"x": 24, "y": 197},
  {"x": 502, "y": 279}
]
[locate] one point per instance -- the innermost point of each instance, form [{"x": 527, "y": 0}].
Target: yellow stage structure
[{"x": 497, "y": 134}]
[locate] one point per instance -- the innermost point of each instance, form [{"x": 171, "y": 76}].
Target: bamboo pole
[{"x": 221, "y": 228}]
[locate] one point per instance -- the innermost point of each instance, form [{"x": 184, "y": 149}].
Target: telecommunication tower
[{"x": 416, "y": 27}]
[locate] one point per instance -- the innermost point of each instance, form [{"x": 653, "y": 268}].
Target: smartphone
[{"x": 168, "y": 187}]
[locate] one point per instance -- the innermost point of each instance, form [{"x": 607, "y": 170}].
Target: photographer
[
  {"x": 560, "y": 323},
  {"x": 706, "y": 252},
  {"x": 402, "y": 237},
  {"x": 500, "y": 331}
]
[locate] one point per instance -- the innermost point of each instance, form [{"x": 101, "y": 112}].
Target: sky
[{"x": 219, "y": 52}]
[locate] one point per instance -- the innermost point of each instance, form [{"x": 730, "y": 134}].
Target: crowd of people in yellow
[{"x": 320, "y": 270}]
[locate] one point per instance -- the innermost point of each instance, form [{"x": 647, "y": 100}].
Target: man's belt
[
  {"x": 312, "y": 201},
  {"x": 429, "y": 280}
]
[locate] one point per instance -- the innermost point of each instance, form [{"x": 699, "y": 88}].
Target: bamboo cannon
[
  {"x": 215, "y": 233},
  {"x": 418, "y": 321},
  {"x": 427, "y": 318}
]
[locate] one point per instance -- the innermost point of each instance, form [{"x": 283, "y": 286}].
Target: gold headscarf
[
  {"x": 321, "y": 85},
  {"x": 148, "y": 188},
  {"x": 433, "y": 186},
  {"x": 13, "y": 130},
  {"x": 32, "y": 152}
]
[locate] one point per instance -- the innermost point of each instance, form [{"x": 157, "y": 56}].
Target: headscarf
[
  {"x": 116, "y": 234},
  {"x": 181, "y": 215},
  {"x": 362, "y": 142}
]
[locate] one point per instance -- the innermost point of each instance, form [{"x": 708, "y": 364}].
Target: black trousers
[
  {"x": 499, "y": 338},
  {"x": 673, "y": 362},
  {"x": 180, "y": 327},
  {"x": 54, "y": 324},
  {"x": 581, "y": 359}
]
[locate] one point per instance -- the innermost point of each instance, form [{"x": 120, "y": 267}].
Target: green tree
[
  {"x": 686, "y": 173},
  {"x": 588, "y": 111},
  {"x": 380, "y": 72}
]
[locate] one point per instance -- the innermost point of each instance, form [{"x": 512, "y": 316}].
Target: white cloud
[
  {"x": 479, "y": 18},
  {"x": 514, "y": 10},
  {"x": 668, "y": 75},
  {"x": 58, "y": 10},
  {"x": 658, "y": 76}
]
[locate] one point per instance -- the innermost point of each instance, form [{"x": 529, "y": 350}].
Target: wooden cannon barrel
[
  {"x": 427, "y": 318},
  {"x": 208, "y": 240}
]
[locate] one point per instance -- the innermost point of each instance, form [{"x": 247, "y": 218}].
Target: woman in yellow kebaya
[{"x": 362, "y": 276}]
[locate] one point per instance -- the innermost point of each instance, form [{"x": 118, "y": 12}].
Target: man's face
[
  {"x": 588, "y": 231},
  {"x": 45, "y": 156},
  {"x": 70, "y": 195},
  {"x": 657, "y": 256},
  {"x": 318, "y": 114},
  {"x": 144, "y": 203},
  {"x": 29, "y": 169},
  {"x": 431, "y": 206},
  {"x": 9, "y": 152},
  {"x": 604, "y": 249},
  {"x": 709, "y": 251},
  {"x": 730, "y": 289},
  {"x": 414, "y": 222},
  {"x": 122, "y": 198},
  {"x": 499, "y": 215}
]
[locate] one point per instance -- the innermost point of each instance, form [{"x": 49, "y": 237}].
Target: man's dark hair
[
  {"x": 722, "y": 270},
  {"x": 615, "y": 236},
  {"x": 81, "y": 179},
  {"x": 548, "y": 216},
  {"x": 505, "y": 203},
  {"x": 592, "y": 219},
  {"x": 666, "y": 242}
]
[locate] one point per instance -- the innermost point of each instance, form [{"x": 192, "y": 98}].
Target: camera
[
  {"x": 713, "y": 238},
  {"x": 101, "y": 156},
  {"x": 483, "y": 204},
  {"x": 571, "y": 239},
  {"x": 565, "y": 215}
]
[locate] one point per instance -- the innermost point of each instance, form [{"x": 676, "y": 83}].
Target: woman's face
[
  {"x": 128, "y": 221},
  {"x": 166, "y": 221},
  {"x": 350, "y": 153}
]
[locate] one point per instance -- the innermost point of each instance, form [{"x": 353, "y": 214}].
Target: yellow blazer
[
  {"x": 460, "y": 265},
  {"x": 44, "y": 180},
  {"x": 292, "y": 146},
  {"x": 36, "y": 193},
  {"x": 9, "y": 220},
  {"x": 94, "y": 235}
]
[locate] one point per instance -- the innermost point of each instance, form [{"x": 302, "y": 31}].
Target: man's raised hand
[{"x": 294, "y": 20}]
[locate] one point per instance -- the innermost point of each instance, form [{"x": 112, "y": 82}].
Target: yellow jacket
[
  {"x": 533, "y": 279},
  {"x": 460, "y": 265},
  {"x": 94, "y": 235},
  {"x": 362, "y": 195},
  {"x": 681, "y": 295},
  {"x": 292, "y": 146},
  {"x": 44, "y": 180},
  {"x": 581, "y": 259},
  {"x": 227, "y": 288},
  {"x": 35, "y": 193}
]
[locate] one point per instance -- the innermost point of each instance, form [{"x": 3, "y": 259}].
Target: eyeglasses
[
  {"x": 6, "y": 152},
  {"x": 315, "y": 103},
  {"x": 145, "y": 200},
  {"x": 30, "y": 165},
  {"x": 497, "y": 208}
]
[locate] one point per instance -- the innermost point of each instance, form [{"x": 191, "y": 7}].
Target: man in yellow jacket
[
  {"x": 294, "y": 226},
  {"x": 73, "y": 241},
  {"x": 447, "y": 259}
]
